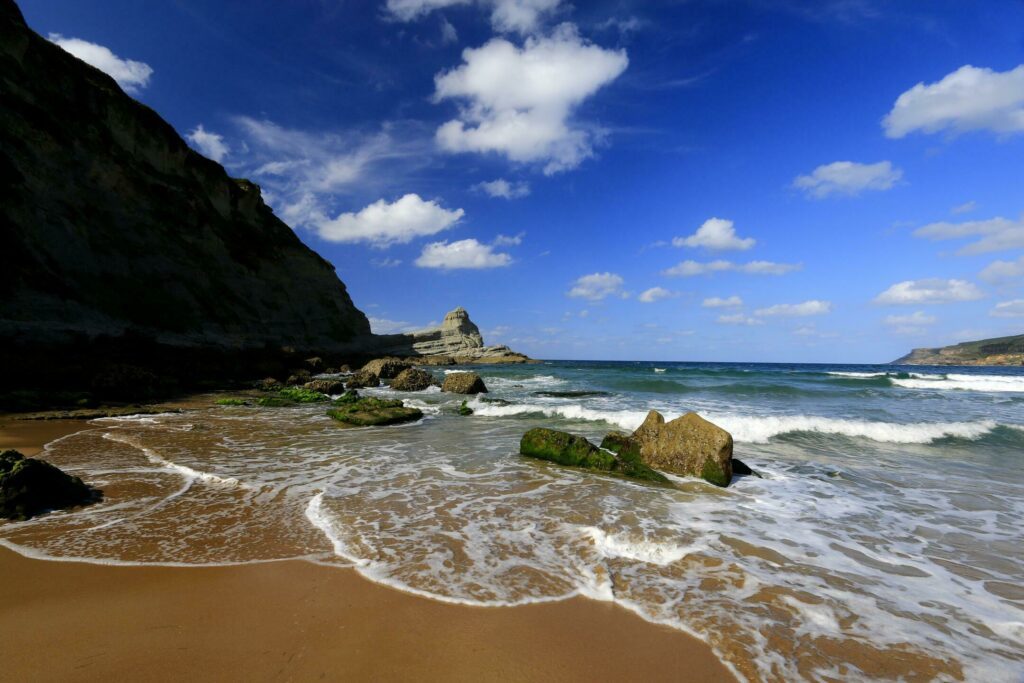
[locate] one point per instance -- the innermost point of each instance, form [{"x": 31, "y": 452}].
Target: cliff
[
  {"x": 110, "y": 225},
  {"x": 998, "y": 351},
  {"x": 457, "y": 340}
]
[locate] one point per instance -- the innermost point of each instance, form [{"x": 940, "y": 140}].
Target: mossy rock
[
  {"x": 231, "y": 402},
  {"x": 565, "y": 449},
  {"x": 372, "y": 412},
  {"x": 627, "y": 453},
  {"x": 465, "y": 410},
  {"x": 303, "y": 395},
  {"x": 29, "y": 487}
]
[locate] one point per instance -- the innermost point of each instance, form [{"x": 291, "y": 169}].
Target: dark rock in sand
[
  {"x": 463, "y": 383},
  {"x": 387, "y": 368},
  {"x": 325, "y": 386},
  {"x": 29, "y": 487},
  {"x": 371, "y": 412},
  {"x": 740, "y": 467},
  {"x": 361, "y": 379},
  {"x": 688, "y": 446},
  {"x": 412, "y": 379}
]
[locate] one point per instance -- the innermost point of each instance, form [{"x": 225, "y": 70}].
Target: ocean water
[{"x": 884, "y": 541}]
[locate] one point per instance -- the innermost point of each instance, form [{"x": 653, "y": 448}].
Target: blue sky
[{"x": 731, "y": 180}]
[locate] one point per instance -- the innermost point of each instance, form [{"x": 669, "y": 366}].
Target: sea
[{"x": 883, "y": 539}]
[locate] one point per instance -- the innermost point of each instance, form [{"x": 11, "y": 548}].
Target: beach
[{"x": 294, "y": 620}]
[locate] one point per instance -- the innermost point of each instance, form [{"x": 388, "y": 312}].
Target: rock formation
[
  {"x": 569, "y": 449},
  {"x": 456, "y": 341},
  {"x": 688, "y": 446},
  {"x": 412, "y": 379},
  {"x": 463, "y": 383},
  {"x": 29, "y": 487},
  {"x": 999, "y": 351}
]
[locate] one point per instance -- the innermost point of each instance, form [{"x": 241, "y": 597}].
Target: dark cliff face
[{"x": 110, "y": 225}]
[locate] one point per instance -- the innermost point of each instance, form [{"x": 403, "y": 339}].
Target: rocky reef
[{"x": 998, "y": 351}]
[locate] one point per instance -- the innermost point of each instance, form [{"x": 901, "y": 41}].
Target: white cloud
[
  {"x": 715, "y": 233},
  {"x": 209, "y": 144},
  {"x": 719, "y": 302},
  {"x": 997, "y": 234},
  {"x": 929, "y": 291},
  {"x": 519, "y": 16},
  {"x": 1003, "y": 271},
  {"x": 656, "y": 294},
  {"x": 915, "y": 318},
  {"x": 1008, "y": 309},
  {"x": 504, "y": 189},
  {"x": 738, "y": 319},
  {"x": 691, "y": 268},
  {"x": 966, "y": 207},
  {"x": 967, "y": 99},
  {"x": 464, "y": 254},
  {"x": 385, "y": 262},
  {"x": 385, "y": 326},
  {"x": 509, "y": 240},
  {"x": 812, "y": 307},
  {"x": 448, "y": 33},
  {"x": 383, "y": 224},
  {"x": 848, "y": 178},
  {"x": 597, "y": 286},
  {"x": 519, "y": 101},
  {"x": 129, "y": 74}
]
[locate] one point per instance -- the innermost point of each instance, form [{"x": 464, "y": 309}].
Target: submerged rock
[
  {"x": 325, "y": 386},
  {"x": 387, "y": 368},
  {"x": 29, "y": 487},
  {"x": 569, "y": 449},
  {"x": 465, "y": 410},
  {"x": 371, "y": 412},
  {"x": 464, "y": 383},
  {"x": 361, "y": 379},
  {"x": 688, "y": 445},
  {"x": 412, "y": 379},
  {"x": 298, "y": 378},
  {"x": 740, "y": 467}
]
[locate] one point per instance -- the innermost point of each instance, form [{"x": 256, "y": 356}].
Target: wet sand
[{"x": 294, "y": 620}]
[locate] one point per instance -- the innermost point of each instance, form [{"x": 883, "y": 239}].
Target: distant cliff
[
  {"x": 999, "y": 351},
  {"x": 457, "y": 340},
  {"x": 110, "y": 225}
]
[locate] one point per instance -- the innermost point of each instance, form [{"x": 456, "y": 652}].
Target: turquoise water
[{"x": 884, "y": 541}]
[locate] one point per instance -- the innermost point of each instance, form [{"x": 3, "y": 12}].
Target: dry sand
[{"x": 296, "y": 621}]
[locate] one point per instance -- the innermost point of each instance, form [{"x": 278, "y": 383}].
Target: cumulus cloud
[
  {"x": 967, "y": 99},
  {"x": 504, "y": 189},
  {"x": 518, "y": 16},
  {"x": 597, "y": 286},
  {"x": 129, "y": 74},
  {"x": 738, "y": 319},
  {"x": 929, "y": 291},
  {"x": 718, "y": 234},
  {"x": 719, "y": 302},
  {"x": 461, "y": 255},
  {"x": 997, "y": 234},
  {"x": 653, "y": 294},
  {"x": 509, "y": 240},
  {"x": 848, "y": 178},
  {"x": 208, "y": 143},
  {"x": 966, "y": 207},
  {"x": 910, "y": 325},
  {"x": 691, "y": 268},
  {"x": 385, "y": 326},
  {"x": 382, "y": 224},
  {"x": 518, "y": 101},
  {"x": 1008, "y": 309},
  {"x": 812, "y": 307},
  {"x": 999, "y": 272}
]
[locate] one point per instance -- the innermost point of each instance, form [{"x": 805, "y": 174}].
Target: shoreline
[{"x": 297, "y": 620}]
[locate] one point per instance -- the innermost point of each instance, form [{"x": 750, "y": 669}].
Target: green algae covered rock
[
  {"x": 372, "y": 412},
  {"x": 565, "y": 449},
  {"x": 627, "y": 452},
  {"x": 29, "y": 487},
  {"x": 465, "y": 410},
  {"x": 231, "y": 402},
  {"x": 688, "y": 446},
  {"x": 292, "y": 396}
]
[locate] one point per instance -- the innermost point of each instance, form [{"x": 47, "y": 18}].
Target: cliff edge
[{"x": 998, "y": 351}]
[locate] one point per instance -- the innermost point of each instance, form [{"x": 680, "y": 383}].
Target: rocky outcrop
[
  {"x": 998, "y": 351},
  {"x": 362, "y": 379},
  {"x": 463, "y": 383},
  {"x": 111, "y": 227},
  {"x": 575, "y": 451},
  {"x": 456, "y": 342},
  {"x": 29, "y": 487},
  {"x": 412, "y": 379},
  {"x": 387, "y": 368},
  {"x": 354, "y": 411},
  {"x": 325, "y": 386},
  {"x": 688, "y": 446}
]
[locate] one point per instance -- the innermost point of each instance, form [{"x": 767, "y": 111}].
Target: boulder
[
  {"x": 387, "y": 368},
  {"x": 345, "y": 369},
  {"x": 412, "y": 379},
  {"x": 354, "y": 411},
  {"x": 362, "y": 378},
  {"x": 688, "y": 446},
  {"x": 627, "y": 452},
  {"x": 29, "y": 487},
  {"x": 325, "y": 386},
  {"x": 463, "y": 383},
  {"x": 298, "y": 378},
  {"x": 575, "y": 451},
  {"x": 267, "y": 384}
]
